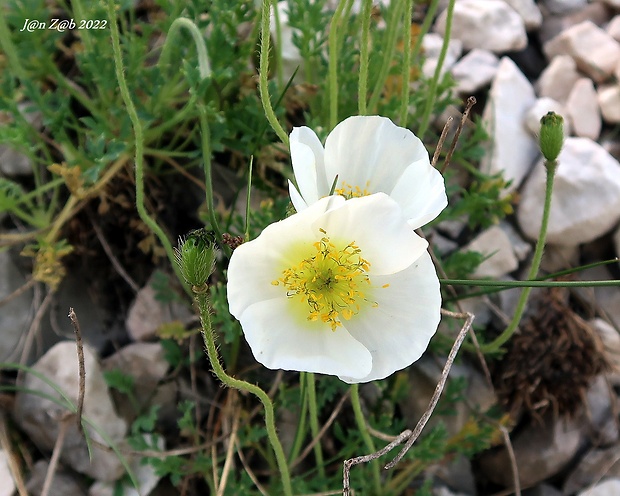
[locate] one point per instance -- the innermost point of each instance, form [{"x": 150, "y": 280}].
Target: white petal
[
  {"x": 398, "y": 330},
  {"x": 296, "y": 199},
  {"x": 254, "y": 265},
  {"x": 279, "y": 340},
  {"x": 371, "y": 152},
  {"x": 421, "y": 192},
  {"x": 375, "y": 223},
  {"x": 308, "y": 163}
]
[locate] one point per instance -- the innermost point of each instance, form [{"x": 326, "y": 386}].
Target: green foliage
[
  {"x": 173, "y": 353},
  {"x": 461, "y": 264},
  {"x": 117, "y": 379}
]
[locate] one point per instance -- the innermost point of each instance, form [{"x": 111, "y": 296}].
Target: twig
[
  {"x": 229, "y": 453},
  {"x": 108, "y": 251},
  {"x": 513, "y": 460},
  {"x": 34, "y": 326},
  {"x": 22, "y": 289},
  {"x": 60, "y": 440},
  {"x": 412, "y": 436},
  {"x": 440, "y": 385},
  {"x": 320, "y": 434},
  {"x": 12, "y": 459},
  {"x": 442, "y": 140},
  {"x": 471, "y": 101},
  {"x": 346, "y": 489},
  {"x": 248, "y": 471},
  {"x": 82, "y": 369}
]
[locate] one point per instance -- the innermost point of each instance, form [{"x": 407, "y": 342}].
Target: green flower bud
[
  {"x": 551, "y": 137},
  {"x": 195, "y": 256}
]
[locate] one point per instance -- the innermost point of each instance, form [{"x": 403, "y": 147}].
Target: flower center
[
  {"x": 329, "y": 281},
  {"x": 349, "y": 191}
]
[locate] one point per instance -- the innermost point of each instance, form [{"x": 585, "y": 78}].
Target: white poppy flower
[
  {"x": 369, "y": 154},
  {"x": 343, "y": 288}
]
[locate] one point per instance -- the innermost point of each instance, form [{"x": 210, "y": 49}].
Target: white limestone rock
[
  {"x": 513, "y": 150},
  {"x": 40, "y": 417},
  {"x": 64, "y": 483},
  {"x": 613, "y": 28},
  {"x": 563, "y": 7},
  {"x": 586, "y": 195},
  {"x": 542, "y": 448},
  {"x": 422, "y": 380},
  {"x": 474, "y": 71},
  {"x": 611, "y": 347},
  {"x": 432, "y": 44},
  {"x": 540, "y": 108},
  {"x": 529, "y": 12},
  {"x": 520, "y": 247},
  {"x": 594, "y": 50},
  {"x": 146, "y": 363},
  {"x": 491, "y": 25},
  {"x": 583, "y": 110},
  {"x": 617, "y": 242},
  {"x": 495, "y": 244},
  {"x": 7, "y": 484},
  {"x": 147, "y": 314},
  {"x": 609, "y": 102},
  {"x": 605, "y": 298},
  {"x": 609, "y": 487},
  {"x": 558, "y": 78},
  {"x": 145, "y": 473}
]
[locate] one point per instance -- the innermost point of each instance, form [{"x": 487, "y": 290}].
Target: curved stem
[
  {"x": 404, "y": 98},
  {"x": 536, "y": 259},
  {"x": 536, "y": 283},
  {"x": 314, "y": 422},
  {"x": 333, "y": 64},
  {"x": 364, "y": 48},
  {"x": 206, "y": 161},
  {"x": 432, "y": 91},
  {"x": 139, "y": 141},
  {"x": 361, "y": 425},
  {"x": 264, "y": 74},
  {"x": 209, "y": 339},
  {"x": 389, "y": 47},
  {"x": 203, "y": 59}
]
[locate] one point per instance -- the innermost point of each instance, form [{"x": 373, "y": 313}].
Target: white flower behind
[
  {"x": 343, "y": 288},
  {"x": 369, "y": 154}
]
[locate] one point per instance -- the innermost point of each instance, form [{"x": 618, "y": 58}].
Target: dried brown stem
[
  {"x": 230, "y": 451},
  {"x": 12, "y": 459},
  {"x": 471, "y": 101},
  {"x": 35, "y": 326},
  {"x": 22, "y": 289},
  {"x": 411, "y": 436},
  {"x": 248, "y": 470},
  {"x": 108, "y": 251},
  {"x": 469, "y": 319},
  {"x": 82, "y": 368},
  {"x": 52, "y": 467},
  {"x": 442, "y": 140},
  {"x": 321, "y": 432},
  {"x": 513, "y": 461}
]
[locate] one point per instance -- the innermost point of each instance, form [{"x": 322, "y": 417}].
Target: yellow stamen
[
  {"x": 349, "y": 191},
  {"x": 329, "y": 282}
]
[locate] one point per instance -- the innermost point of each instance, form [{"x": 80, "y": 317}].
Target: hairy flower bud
[
  {"x": 551, "y": 137},
  {"x": 195, "y": 256}
]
